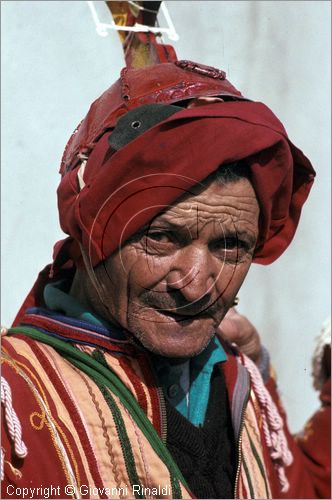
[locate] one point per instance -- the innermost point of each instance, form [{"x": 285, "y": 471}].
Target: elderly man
[{"x": 115, "y": 384}]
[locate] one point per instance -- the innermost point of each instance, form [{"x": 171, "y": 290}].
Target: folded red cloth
[{"x": 125, "y": 189}]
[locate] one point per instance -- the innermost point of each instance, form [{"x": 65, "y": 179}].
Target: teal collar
[
  {"x": 187, "y": 385},
  {"x": 57, "y": 299}
]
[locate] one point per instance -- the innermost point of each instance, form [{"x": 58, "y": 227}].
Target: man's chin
[
  {"x": 178, "y": 353},
  {"x": 182, "y": 342}
]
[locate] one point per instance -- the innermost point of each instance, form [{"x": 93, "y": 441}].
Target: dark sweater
[{"x": 205, "y": 455}]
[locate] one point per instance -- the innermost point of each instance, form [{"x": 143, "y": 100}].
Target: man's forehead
[{"x": 215, "y": 202}]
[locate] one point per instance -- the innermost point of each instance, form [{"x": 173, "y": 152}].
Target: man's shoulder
[{"x": 21, "y": 353}]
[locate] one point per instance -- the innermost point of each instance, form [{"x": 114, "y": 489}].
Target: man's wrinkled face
[{"x": 172, "y": 284}]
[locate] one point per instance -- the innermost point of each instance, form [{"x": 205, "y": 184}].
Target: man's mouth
[{"x": 183, "y": 318}]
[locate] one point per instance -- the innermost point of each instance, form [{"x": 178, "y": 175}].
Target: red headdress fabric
[
  {"x": 125, "y": 189},
  {"x": 116, "y": 193},
  {"x": 161, "y": 83}
]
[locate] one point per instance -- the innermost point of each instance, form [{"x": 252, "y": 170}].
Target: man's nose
[{"x": 193, "y": 273}]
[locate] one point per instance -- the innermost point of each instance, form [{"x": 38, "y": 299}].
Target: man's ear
[{"x": 93, "y": 278}]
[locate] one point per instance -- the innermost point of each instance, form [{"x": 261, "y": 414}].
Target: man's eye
[
  {"x": 226, "y": 243},
  {"x": 160, "y": 236},
  {"x": 230, "y": 246},
  {"x": 233, "y": 242},
  {"x": 159, "y": 242}
]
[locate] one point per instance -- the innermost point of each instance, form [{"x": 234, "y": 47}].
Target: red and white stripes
[
  {"x": 272, "y": 425},
  {"x": 13, "y": 424}
]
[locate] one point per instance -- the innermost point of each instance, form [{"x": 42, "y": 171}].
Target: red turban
[{"x": 122, "y": 190}]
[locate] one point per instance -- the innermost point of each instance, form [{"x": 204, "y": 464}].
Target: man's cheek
[
  {"x": 230, "y": 280},
  {"x": 148, "y": 273}
]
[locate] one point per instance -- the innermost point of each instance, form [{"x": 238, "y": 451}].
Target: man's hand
[{"x": 237, "y": 329}]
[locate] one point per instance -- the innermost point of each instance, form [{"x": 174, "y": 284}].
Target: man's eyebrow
[
  {"x": 228, "y": 232},
  {"x": 165, "y": 222},
  {"x": 161, "y": 219},
  {"x": 248, "y": 236}
]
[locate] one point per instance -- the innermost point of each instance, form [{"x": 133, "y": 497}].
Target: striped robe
[{"x": 94, "y": 423}]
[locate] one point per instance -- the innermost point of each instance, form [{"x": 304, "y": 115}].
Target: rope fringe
[
  {"x": 273, "y": 425},
  {"x": 3, "y": 331},
  {"x": 13, "y": 424}
]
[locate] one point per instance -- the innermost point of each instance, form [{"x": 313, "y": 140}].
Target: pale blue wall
[{"x": 54, "y": 65}]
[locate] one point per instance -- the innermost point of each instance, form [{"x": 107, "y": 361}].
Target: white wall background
[{"x": 53, "y": 66}]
